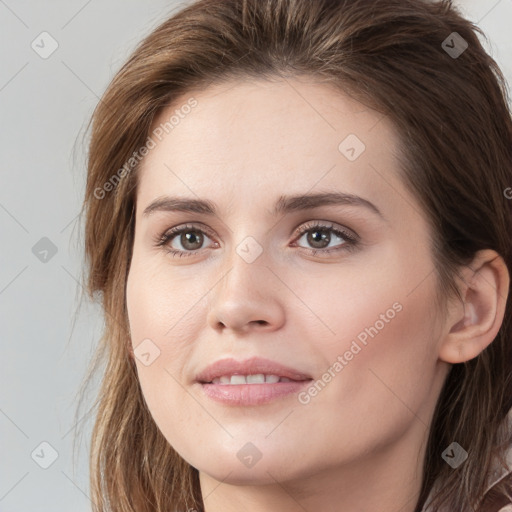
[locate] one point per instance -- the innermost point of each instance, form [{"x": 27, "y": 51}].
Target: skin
[{"x": 359, "y": 444}]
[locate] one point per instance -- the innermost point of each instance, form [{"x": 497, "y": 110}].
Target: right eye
[{"x": 189, "y": 237}]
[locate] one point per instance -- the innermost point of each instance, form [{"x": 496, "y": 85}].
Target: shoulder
[{"x": 500, "y": 478}]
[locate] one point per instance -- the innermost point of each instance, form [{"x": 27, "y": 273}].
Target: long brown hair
[{"x": 452, "y": 114}]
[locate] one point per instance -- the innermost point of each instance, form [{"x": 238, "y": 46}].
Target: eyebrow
[{"x": 284, "y": 204}]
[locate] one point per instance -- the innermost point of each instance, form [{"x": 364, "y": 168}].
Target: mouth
[
  {"x": 258, "y": 378},
  {"x": 252, "y": 382},
  {"x": 255, "y": 370}
]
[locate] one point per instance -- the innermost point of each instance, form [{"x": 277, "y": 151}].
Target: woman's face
[{"x": 357, "y": 316}]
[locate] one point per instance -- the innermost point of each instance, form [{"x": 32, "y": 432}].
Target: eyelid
[
  {"x": 192, "y": 226},
  {"x": 304, "y": 227}
]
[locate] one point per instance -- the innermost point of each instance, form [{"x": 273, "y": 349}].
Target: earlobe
[{"x": 473, "y": 325}]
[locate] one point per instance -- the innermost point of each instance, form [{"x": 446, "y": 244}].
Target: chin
[{"x": 234, "y": 474}]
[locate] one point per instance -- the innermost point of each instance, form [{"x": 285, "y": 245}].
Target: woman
[{"x": 298, "y": 221}]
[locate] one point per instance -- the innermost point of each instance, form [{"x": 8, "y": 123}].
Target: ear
[{"x": 474, "y": 324}]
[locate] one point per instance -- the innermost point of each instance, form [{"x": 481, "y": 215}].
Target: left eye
[{"x": 319, "y": 236}]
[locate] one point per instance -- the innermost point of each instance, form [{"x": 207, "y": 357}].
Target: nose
[{"x": 249, "y": 297}]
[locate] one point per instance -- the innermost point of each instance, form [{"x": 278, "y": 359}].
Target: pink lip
[
  {"x": 255, "y": 365},
  {"x": 250, "y": 394}
]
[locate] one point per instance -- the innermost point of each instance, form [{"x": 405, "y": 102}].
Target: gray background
[{"x": 47, "y": 334}]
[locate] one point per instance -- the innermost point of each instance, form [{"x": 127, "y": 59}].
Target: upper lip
[{"x": 252, "y": 366}]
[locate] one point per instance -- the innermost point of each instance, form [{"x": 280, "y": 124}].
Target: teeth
[
  {"x": 254, "y": 379},
  {"x": 258, "y": 378},
  {"x": 237, "y": 379}
]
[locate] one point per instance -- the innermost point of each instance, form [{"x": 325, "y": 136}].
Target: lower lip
[{"x": 252, "y": 394}]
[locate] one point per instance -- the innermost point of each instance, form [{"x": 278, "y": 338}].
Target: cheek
[
  {"x": 161, "y": 314},
  {"x": 377, "y": 340},
  {"x": 388, "y": 362},
  {"x": 163, "y": 306}
]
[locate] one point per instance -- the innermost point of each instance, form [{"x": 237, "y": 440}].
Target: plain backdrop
[{"x": 57, "y": 57}]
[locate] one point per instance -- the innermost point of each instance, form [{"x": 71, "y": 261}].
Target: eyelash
[{"x": 350, "y": 243}]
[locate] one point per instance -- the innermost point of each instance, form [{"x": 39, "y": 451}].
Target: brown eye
[
  {"x": 318, "y": 237},
  {"x": 183, "y": 241},
  {"x": 191, "y": 240}
]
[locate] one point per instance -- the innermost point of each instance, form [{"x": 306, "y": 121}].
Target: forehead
[{"x": 245, "y": 142}]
